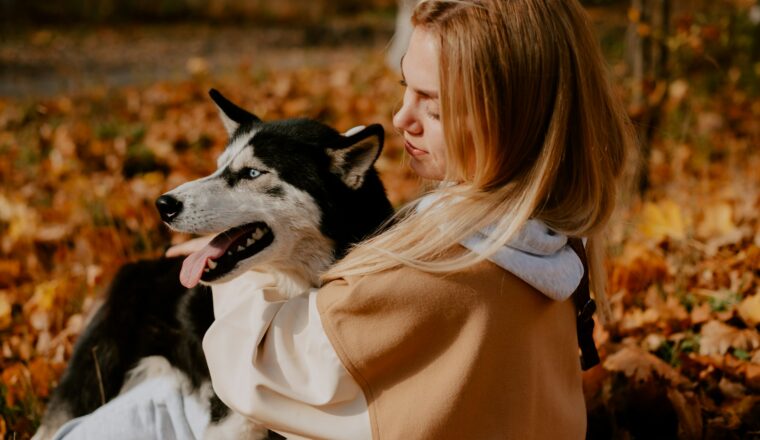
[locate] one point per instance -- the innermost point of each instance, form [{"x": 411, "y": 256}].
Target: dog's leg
[
  {"x": 93, "y": 376},
  {"x": 129, "y": 326}
]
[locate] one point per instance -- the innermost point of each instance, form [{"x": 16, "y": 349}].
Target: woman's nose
[{"x": 406, "y": 120}]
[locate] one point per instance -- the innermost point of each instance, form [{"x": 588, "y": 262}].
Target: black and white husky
[{"x": 288, "y": 197}]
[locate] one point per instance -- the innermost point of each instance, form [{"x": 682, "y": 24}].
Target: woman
[{"x": 451, "y": 323}]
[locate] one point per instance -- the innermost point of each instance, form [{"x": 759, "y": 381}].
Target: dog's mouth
[{"x": 223, "y": 252}]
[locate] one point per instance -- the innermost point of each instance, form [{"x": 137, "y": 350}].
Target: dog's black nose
[{"x": 168, "y": 207}]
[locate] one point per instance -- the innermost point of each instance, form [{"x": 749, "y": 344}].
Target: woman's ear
[
  {"x": 360, "y": 149},
  {"x": 231, "y": 115}
]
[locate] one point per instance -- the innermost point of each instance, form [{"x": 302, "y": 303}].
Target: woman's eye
[{"x": 433, "y": 115}]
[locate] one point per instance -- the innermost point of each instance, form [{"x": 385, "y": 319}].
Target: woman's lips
[{"x": 412, "y": 150}]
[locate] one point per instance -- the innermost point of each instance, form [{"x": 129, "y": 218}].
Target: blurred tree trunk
[
  {"x": 403, "y": 33},
  {"x": 647, "y": 55}
]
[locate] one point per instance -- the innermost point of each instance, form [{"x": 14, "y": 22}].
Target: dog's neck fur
[{"x": 310, "y": 258}]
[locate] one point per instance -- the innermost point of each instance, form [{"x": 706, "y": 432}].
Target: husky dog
[{"x": 289, "y": 197}]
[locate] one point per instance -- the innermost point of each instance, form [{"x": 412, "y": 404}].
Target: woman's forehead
[{"x": 419, "y": 66}]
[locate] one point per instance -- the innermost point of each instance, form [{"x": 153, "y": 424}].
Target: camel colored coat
[{"x": 477, "y": 354}]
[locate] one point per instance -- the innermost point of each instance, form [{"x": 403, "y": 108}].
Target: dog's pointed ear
[
  {"x": 232, "y": 116},
  {"x": 361, "y": 146}
]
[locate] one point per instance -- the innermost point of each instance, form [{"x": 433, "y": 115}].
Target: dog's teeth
[
  {"x": 258, "y": 234},
  {"x": 211, "y": 264},
  {"x": 240, "y": 248},
  {"x": 229, "y": 253},
  {"x": 250, "y": 242},
  {"x": 206, "y": 269}
]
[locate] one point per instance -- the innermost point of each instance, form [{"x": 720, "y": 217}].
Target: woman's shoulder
[{"x": 405, "y": 285}]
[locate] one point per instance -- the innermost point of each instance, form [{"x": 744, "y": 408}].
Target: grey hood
[{"x": 538, "y": 255}]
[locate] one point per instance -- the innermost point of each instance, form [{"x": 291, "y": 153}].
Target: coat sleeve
[{"x": 270, "y": 360}]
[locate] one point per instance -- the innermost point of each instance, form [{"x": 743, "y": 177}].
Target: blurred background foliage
[
  {"x": 103, "y": 107},
  {"x": 251, "y": 11}
]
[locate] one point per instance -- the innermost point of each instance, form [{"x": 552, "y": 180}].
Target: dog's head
[{"x": 291, "y": 194}]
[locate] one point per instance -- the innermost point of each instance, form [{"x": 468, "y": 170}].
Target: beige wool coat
[{"x": 477, "y": 354}]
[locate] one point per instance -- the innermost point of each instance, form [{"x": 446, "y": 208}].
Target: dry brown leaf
[
  {"x": 749, "y": 310},
  {"x": 22, "y": 221},
  {"x": 638, "y": 268},
  {"x": 15, "y": 379},
  {"x": 752, "y": 375},
  {"x": 716, "y": 338},
  {"x": 730, "y": 389},
  {"x": 42, "y": 376},
  {"x": 663, "y": 220},
  {"x": 641, "y": 366},
  {"x": 672, "y": 309},
  {"x": 52, "y": 232},
  {"x": 755, "y": 357},
  {"x": 637, "y": 318},
  {"x": 10, "y": 269},
  {"x": 701, "y": 313},
  {"x": 5, "y": 311},
  {"x": 652, "y": 342},
  {"x": 44, "y": 296}
]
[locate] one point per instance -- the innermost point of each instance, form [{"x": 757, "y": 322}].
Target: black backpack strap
[{"x": 584, "y": 307}]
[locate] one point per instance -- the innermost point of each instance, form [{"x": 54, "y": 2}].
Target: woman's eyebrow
[{"x": 425, "y": 93}]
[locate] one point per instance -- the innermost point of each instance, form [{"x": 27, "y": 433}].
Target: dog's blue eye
[{"x": 251, "y": 173}]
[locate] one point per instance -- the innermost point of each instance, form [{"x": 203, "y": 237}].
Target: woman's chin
[{"x": 425, "y": 169}]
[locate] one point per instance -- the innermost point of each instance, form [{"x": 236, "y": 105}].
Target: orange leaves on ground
[
  {"x": 638, "y": 382},
  {"x": 638, "y": 268},
  {"x": 16, "y": 381},
  {"x": 684, "y": 286},
  {"x": 24, "y": 386},
  {"x": 80, "y": 175}
]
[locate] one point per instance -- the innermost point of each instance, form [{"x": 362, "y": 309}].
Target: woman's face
[{"x": 419, "y": 117}]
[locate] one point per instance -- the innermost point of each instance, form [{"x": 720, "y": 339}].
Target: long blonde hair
[{"x": 524, "y": 93}]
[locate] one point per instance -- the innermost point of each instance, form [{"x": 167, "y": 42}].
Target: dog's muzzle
[{"x": 168, "y": 207}]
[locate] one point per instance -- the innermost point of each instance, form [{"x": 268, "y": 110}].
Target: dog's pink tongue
[{"x": 192, "y": 267}]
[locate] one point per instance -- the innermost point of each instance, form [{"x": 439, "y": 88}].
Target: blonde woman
[{"x": 454, "y": 323}]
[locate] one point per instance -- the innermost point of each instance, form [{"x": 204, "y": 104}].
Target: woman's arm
[{"x": 271, "y": 361}]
